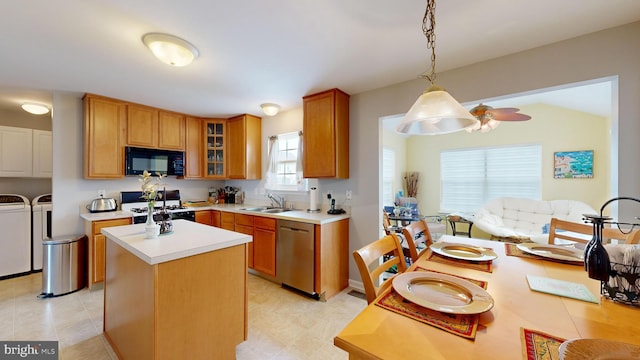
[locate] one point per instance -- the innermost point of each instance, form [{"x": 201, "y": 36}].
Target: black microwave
[{"x": 167, "y": 162}]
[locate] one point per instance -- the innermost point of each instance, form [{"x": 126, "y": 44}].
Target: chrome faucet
[{"x": 279, "y": 200}]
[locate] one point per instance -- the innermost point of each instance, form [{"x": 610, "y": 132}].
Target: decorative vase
[
  {"x": 152, "y": 230},
  {"x": 596, "y": 258},
  {"x": 396, "y": 211}
]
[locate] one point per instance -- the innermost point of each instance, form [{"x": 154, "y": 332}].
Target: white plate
[
  {"x": 550, "y": 251},
  {"x": 441, "y": 292},
  {"x": 463, "y": 251},
  {"x": 579, "y": 349}
]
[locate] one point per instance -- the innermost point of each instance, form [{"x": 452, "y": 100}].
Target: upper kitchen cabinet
[
  {"x": 42, "y": 153},
  {"x": 142, "y": 126},
  {"x": 325, "y": 135},
  {"x": 193, "y": 154},
  {"x": 104, "y": 137},
  {"x": 153, "y": 128},
  {"x": 171, "y": 131},
  {"x": 16, "y": 151},
  {"x": 244, "y": 147},
  {"x": 215, "y": 150}
]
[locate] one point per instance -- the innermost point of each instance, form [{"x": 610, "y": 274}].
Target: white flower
[{"x": 150, "y": 186}]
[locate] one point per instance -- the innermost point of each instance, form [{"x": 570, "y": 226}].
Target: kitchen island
[{"x": 180, "y": 296}]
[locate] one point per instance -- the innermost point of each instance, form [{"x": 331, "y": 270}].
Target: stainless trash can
[{"x": 64, "y": 268}]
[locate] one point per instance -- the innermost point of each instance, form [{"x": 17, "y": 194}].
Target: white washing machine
[
  {"x": 41, "y": 221},
  {"x": 15, "y": 241}
]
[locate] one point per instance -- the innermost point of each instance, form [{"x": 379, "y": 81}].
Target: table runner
[
  {"x": 461, "y": 325},
  {"x": 486, "y": 266},
  {"x": 537, "y": 345}
]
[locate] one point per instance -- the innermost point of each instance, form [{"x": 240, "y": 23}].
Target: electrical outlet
[
  {"x": 348, "y": 195},
  {"x": 101, "y": 193}
]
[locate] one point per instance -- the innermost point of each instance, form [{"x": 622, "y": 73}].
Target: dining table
[{"x": 379, "y": 333}]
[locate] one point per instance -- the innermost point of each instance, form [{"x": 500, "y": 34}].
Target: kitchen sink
[
  {"x": 257, "y": 208},
  {"x": 269, "y": 210},
  {"x": 275, "y": 211}
]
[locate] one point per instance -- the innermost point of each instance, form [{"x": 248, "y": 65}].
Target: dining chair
[
  {"x": 386, "y": 224},
  {"x": 582, "y": 233},
  {"x": 416, "y": 234},
  {"x": 370, "y": 255}
]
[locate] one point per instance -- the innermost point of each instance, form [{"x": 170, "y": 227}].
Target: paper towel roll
[{"x": 313, "y": 199}]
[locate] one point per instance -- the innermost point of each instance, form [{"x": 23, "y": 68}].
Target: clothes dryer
[{"x": 41, "y": 225}]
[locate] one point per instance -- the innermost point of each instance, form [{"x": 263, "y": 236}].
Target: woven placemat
[
  {"x": 537, "y": 345},
  {"x": 486, "y": 266},
  {"x": 461, "y": 325}
]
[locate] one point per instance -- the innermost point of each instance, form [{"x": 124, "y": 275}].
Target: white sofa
[{"x": 521, "y": 219}]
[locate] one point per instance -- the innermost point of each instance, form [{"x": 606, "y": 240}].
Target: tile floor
[{"x": 282, "y": 324}]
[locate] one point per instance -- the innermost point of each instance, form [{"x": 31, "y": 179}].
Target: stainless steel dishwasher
[{"x": 295, "y": 255}]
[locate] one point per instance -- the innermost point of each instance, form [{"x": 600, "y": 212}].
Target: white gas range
[{"x": 133, "y": 201}]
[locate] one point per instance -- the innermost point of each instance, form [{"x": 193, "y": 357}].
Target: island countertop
[{"x": 187, "y": 239}]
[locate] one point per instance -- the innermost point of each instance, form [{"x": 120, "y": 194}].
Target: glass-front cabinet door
[{"x": 215, "y": 156}]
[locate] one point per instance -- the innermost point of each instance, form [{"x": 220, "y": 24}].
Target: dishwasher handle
[{"x": 293, "y": 229}]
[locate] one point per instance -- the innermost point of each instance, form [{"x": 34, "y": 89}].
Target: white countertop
[
  {"x": 295, "y": 215},
  {"x": 187, "y": 239}
]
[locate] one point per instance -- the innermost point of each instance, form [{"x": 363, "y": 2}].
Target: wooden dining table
[{"x": 378, "y": 333}]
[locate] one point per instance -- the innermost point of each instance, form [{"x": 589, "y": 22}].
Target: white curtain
[{"x": 272, "y": 165}]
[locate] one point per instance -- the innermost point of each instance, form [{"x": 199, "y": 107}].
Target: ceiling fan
[{"x": 489, "y": 118}]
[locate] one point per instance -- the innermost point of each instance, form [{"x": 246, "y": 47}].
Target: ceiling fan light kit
[
  {"x": 170, "y": 49},
  {"x": 489, "y": 118},
  {"x": 436, "y": 111}
]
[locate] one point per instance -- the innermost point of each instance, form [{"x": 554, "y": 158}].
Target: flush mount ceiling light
[
  {"x": 36, "y": 109},
  {"x": 170, "y": 49},
  {"x": 435, "y": 112},
  {"x": 270, "y": 109}
]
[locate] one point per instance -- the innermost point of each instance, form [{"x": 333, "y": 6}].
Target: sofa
[{"x": 525, "y": 220}]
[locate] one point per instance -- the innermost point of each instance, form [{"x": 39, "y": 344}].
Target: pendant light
[{"x": 435, "y": 112}]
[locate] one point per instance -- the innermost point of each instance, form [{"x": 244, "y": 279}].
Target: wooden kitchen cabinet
[
  {"x": 325, "y": 135},
  {"x": 332, "y": 258},
  {"x": 215, "y": 151},
  {"x": 193, "y": 154},
  {"x": 227, "y": 221},
  {"x": 142, "y": 126},
  {"x": 104, "y": 137},
  {"x": 204, "y": 217},
  {"x": 97, "y": 246},
  {"x": 264, "y": 245},
  {"x": 244, "y": 134},
  {"x": 171, "y": 130},
  {"x": 216, "y": 218},
  {"x": 244, "y": 225}
]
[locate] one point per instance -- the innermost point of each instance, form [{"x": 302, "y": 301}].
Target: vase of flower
[{"x": 150, "y": 193}]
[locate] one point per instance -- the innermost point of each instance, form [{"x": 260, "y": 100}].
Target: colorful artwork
[{"x": 573, "y": 164}]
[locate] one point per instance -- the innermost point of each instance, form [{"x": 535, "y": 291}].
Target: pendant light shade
[{"x": 436, "y": 112}]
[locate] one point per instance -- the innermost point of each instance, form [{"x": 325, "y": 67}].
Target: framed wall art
[{"x": 573, "y": 164}]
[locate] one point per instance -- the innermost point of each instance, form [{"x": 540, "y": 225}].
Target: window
[
  {"x": 388, "y": 171},
  {"x": 471, "y": 177},
  {"x": 285, "y": 169}
]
